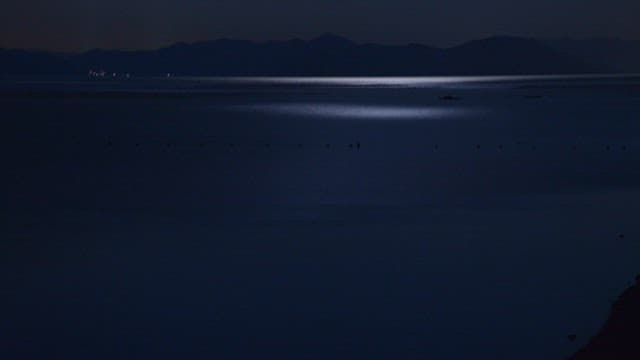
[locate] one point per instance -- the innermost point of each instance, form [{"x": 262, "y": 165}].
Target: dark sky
[{"x": 126, "y": 24}]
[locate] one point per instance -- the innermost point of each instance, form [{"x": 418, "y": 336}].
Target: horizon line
[{"x": 357, "y": 43}]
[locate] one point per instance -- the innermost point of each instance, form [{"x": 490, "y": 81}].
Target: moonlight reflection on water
[{"x": 359, "y": 111}]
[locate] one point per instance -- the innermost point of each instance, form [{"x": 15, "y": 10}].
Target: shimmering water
[{"x": 439, "y": 218}]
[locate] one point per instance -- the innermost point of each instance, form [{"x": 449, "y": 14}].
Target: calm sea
[{"x": 315, "y": 218}]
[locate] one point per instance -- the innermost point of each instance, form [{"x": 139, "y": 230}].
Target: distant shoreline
[{"x": 333, "y": 55}]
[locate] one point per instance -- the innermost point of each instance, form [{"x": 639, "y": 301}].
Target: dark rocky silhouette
[{"x": 619, "y": 338}]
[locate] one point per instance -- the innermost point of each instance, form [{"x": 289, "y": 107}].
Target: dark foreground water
[{"x": 315, "y": 219}]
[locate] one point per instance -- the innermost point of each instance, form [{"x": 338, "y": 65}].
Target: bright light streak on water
[
  {"x": 392, "y": 81},
  {"x": 357, "y": 111}
]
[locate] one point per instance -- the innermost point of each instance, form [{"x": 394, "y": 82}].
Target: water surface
[{"x": 316, "y": 218}]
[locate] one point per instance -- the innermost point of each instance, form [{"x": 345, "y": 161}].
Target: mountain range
[{"x": 332, "y": 55}]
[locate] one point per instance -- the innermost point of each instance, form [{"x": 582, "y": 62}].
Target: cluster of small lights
[{"x": 104, "y": 74}]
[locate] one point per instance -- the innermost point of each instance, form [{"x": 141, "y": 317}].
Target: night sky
[{"x": 71, "y": 25}]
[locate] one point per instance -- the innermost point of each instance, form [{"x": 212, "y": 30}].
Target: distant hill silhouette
[
  {"x": 614, "y": 54},
  {"x": 33, "y": 62},
  {"x": 329, "y": 55}
]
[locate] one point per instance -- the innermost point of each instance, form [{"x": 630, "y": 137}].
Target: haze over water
[{"x": 438, "y": 218}]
